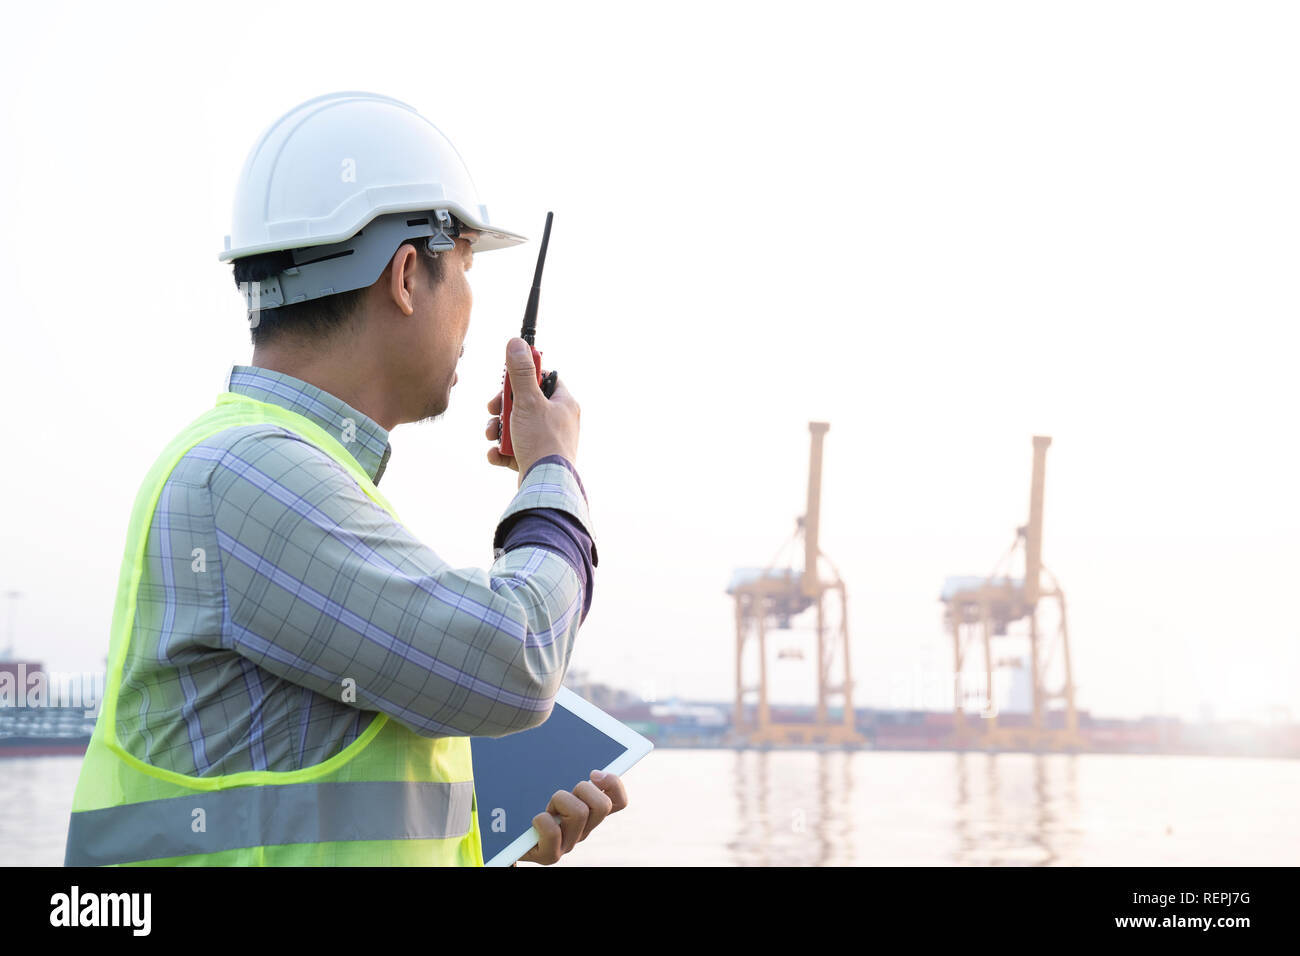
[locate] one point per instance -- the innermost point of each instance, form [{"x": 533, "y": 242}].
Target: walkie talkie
[{"x": 528, "y": 334}]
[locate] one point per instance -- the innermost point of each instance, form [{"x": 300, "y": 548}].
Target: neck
[{"x": 350, "y": 376}]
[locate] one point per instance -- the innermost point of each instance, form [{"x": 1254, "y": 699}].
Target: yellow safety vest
[{"x": 390, "y": 798}]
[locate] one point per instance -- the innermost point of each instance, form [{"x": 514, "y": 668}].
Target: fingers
[
  {"x": 599, "y": 805},
  {"x": 493, "y": 432},
  {"x": 559, "y": 828},
  {"x": 495, "y": 457},
  {"x": 570, "y": 817},
  {"x": 547, "y": 849},
  {"x": 573, "y": 812},
  {"x": 612, "y": 787},
  {"x": 497, "y": 402},
  {"x": 522, "y": 372}
]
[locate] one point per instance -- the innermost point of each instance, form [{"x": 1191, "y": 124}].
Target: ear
[{"x": 402, "y": 278}]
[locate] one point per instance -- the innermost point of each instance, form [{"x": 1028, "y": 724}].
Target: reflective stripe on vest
[
  {"x": 270, "y": 816},
  {"x": 391, "y": 797}
]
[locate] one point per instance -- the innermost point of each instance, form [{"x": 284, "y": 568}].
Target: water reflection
[
  {"x": 793, "y": 808},
  {"x": 899, "y": 808},
  {"x": 806, "y": 808},
  {"x": 1024, "y": 812},
  {"x": 1041, "y": 836}
]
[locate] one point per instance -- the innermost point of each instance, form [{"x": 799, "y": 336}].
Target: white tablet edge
[{"x": 635, "y": 747}]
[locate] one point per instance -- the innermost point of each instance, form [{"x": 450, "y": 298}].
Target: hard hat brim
[{"x": 490, "y": 237}]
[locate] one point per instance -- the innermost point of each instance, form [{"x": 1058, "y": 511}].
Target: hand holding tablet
[
  {"x": 586, "y": 805},
  {"x": 516, "y": 775}
]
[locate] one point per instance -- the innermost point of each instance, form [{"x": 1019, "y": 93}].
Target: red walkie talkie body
[
  {"x": 527, "y": 334},
  {"x": 507, "y": 402}
]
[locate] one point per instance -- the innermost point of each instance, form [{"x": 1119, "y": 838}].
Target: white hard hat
[{"x": 327, "y": 168}]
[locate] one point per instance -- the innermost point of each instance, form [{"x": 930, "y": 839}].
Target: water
[
  {"x": 749, "y": 808},
  {"x": 35, "y": 799}
]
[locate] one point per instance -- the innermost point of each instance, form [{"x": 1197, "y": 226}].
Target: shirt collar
[{"x": 362, "y": 436}]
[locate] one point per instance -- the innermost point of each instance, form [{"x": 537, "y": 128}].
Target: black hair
[{"x": 316, "y": 319}]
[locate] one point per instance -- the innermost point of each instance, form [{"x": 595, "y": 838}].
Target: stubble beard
[{"x": 436, "y": 407}]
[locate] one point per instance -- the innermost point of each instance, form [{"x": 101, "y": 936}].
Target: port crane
[
  {"x": 766, "y": 601},
  {"x": 978, "y": 610}
]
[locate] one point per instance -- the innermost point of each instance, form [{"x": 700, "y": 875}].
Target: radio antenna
[{"x": 530, "y": 312}]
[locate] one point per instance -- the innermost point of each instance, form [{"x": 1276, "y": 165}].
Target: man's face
[{"x": 444, "y": 316}]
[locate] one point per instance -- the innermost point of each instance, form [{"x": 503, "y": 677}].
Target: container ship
[
  {"x": 708, "y": 724},
  {"x": 32, "y": 729}
]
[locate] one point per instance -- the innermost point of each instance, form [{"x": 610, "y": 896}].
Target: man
[{"x": 293, "y": 676}]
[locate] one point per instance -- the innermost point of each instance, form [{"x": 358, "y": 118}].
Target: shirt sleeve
[
  {"x": 327, "y": 590},
  {"x": 555, "y": 529},
  {"x": 558, "y": 532}
]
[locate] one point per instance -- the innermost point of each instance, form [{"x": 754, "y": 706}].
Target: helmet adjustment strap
[
  {"x": 355, "y": 263},
  {"x": 444, "y": 233}
]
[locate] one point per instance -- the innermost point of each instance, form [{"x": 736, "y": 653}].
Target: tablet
[{"x": 516, "y": 775}]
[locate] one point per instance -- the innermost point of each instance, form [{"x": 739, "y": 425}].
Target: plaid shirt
[{"x": 280, "y": 606}]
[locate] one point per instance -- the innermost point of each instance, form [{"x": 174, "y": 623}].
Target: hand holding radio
[
  {"x": 525, "y": 435},
  {"x": 538, "y": 426}
]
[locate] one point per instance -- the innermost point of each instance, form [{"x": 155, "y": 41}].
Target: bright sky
[{"x": 942, "y": 227}]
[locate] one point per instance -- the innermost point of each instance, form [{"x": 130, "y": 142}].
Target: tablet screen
[{"x": 515, "y": 775}]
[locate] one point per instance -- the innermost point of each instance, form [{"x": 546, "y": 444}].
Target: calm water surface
[{"x": 749, "y": 808}]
